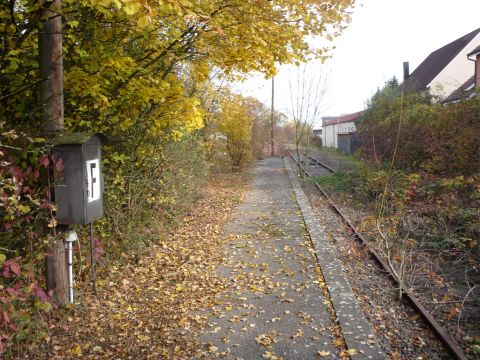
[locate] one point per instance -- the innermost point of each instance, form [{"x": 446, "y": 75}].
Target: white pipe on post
[{"x": 72, "y": 236}]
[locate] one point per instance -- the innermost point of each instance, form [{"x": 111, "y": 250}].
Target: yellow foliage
[{"x": 234, "y": 122}]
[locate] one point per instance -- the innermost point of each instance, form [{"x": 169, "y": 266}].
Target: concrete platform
[
  {"x": 275, "y": 307},
  {"x": 357, "y": 332}
]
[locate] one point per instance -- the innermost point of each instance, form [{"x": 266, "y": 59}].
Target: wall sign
[{"x": 93, "y": 180}]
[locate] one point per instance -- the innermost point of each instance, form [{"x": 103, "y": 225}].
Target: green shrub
[
  {"x": 339, "y": 181},
  {"x": 160, "y": 186},
  {"x": 434, "y": 138}
]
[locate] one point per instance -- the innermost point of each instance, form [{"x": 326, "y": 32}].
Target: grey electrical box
[{"x": 79, "y": 182}]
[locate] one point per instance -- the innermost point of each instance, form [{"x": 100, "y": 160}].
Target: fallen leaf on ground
[
  {"x": 323, "y": 353},
  {"x": 265, "y": 339}
]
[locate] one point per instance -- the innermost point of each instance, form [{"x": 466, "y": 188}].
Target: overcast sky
[{"x": 382, "y": 35}]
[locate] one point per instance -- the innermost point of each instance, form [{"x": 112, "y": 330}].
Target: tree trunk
[
  {"x": 307, "y": 162},
  {"x": 272, "y": 122},
  {"x": 299, "y": 158}
]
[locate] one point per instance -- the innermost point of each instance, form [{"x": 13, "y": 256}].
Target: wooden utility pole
[
  {"x": 51, "y": 96},
  {"x": 272, "y": 119},
  {"x": 51, "y": 67}
]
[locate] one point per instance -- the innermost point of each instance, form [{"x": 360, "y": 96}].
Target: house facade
[
  {"x": 446, "y": 69},
  {"x": 470, "y": 88},
  {"x": 337, "y": 132},
  {"x": 447, "y": 74}
]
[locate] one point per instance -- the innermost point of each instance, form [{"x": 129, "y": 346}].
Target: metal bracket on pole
[{"x": 71, "y": 237}]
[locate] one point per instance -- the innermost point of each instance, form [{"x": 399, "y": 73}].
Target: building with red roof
[{"x": 338, "y": 131}]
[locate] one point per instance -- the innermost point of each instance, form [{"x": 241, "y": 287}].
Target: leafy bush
[
  {"x": 25, "y": 307},
  {"x": 433, "y": 138},
  {"x": 436, "y": 164},
  {"x": 160, "y": 186},
  {"x": 446, "y": 211},
  {"x": 25, "y": 212},
  {"x": 437, "y": 213},
  {"x": 340, "y": 181}
]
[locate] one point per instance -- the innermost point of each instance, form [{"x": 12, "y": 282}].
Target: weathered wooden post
[
  {"x": 51, "y": 95},
  {"x": 51, "y": 67}
]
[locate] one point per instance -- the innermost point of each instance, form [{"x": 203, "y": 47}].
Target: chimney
[{"x": 406, "y": 71}]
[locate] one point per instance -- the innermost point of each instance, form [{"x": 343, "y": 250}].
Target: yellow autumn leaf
[
  {"x": 323, "y": 353},
  {"x": 351, "y": 351},
  {"x": 76, "y": 350},
  {"x": 24, "y": 208},
  {"x": 52, "y": 223},
  {"x": 271, "y": 356},
  {"x": 265, "y": 339},
  {"x": 131, "y": 8},
  {"x": 339, "y": 342},
  {"x": 144, "y": 21},
  {"x": 142, "y": 337}
]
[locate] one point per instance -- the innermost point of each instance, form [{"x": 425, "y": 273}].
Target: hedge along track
[{"x": 451, "y": 346}]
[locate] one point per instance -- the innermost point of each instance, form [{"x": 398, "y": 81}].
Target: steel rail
[
  {"x": 451, "y": 346},
  {"x": 321, "y": 163}
]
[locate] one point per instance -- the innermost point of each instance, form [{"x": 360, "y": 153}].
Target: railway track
[{"x": 450, "y": 345}]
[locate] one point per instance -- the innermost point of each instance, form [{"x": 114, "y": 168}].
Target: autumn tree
[
  {"x": 261, "y": 134},
  {"x": 307, "y": 101},
  {"x": 134, "y": 70},
  {"x": 234, "y": 123}
]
